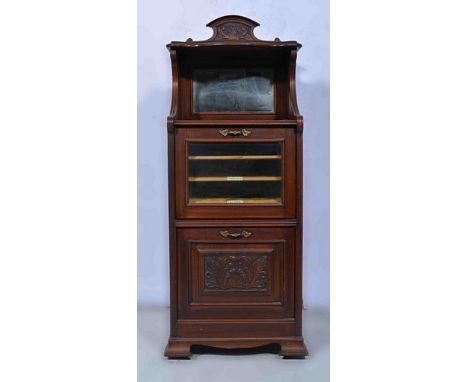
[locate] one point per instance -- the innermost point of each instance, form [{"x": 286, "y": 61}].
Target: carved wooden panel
[
  {"x": 235, "y": 31},
  {"x": 230, "y": 28},
  {"x": 243, "y": 277},
  {"x": 236, "y": 272}
]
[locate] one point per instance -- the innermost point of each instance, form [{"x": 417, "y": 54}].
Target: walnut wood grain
[{"x": 235, "y": 263}]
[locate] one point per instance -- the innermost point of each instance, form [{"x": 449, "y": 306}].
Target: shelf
[
  {"x": 233, "y": 178},
  {"x": 230, "y": 122},
  {"x": 234, "y": 157},
  {"x": 235, "y": 201}
]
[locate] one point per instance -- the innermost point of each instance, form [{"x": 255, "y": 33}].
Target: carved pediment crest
[{"x": 233, "y": 28}]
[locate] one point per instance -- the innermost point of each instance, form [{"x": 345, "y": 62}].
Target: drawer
[
  {"x": 240, "y": 272},
  {"x": 235, "y": 172}
]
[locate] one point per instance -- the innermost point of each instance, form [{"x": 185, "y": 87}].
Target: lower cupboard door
[{"x": 236, "y": 272}]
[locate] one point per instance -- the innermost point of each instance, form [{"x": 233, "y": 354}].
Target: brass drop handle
[
  {"x": 235, "y": 235},
  {"x": 226, "y": 132}
]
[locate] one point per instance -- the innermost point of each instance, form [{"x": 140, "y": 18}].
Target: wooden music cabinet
[{"x": 235, "y": 192}]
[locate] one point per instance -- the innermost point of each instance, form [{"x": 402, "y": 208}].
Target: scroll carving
[
  {"x": 233, "y": 31},
  {"x": 236, "y": 272},
  {"x": 232, "y": 28}
]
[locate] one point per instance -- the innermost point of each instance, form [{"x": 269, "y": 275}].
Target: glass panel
[
  {"x": 230, "y": 173},
  {"x": 233, "y": 90}
]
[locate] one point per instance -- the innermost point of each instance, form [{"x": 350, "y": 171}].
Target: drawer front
[
  {"x": 239, "y": 272},
  {"x": 235, "y": 172}
]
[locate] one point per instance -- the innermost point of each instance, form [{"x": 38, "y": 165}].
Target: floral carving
[
  {"x": 234, "y": 31},
  {"x": 233, "y": 28},
  {"x": 236, "y": 272}
]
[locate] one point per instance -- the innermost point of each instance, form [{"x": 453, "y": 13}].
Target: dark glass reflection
[
  {"x": 245, "y": 172},
  {"x": 233, "y": 90}
]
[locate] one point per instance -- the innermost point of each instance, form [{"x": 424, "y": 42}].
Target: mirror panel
[{"x": 233, "y": 90}]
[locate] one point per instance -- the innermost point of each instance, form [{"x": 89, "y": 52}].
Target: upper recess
[{"x": 233, "y": 30}]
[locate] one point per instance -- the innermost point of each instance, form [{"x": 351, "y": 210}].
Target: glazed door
[{"x": 235, "y": 172}]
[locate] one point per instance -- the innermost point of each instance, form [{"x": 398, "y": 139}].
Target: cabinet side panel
[
  {"x": 298, "y": 251},
  {"x": 172, "y": 229}
]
